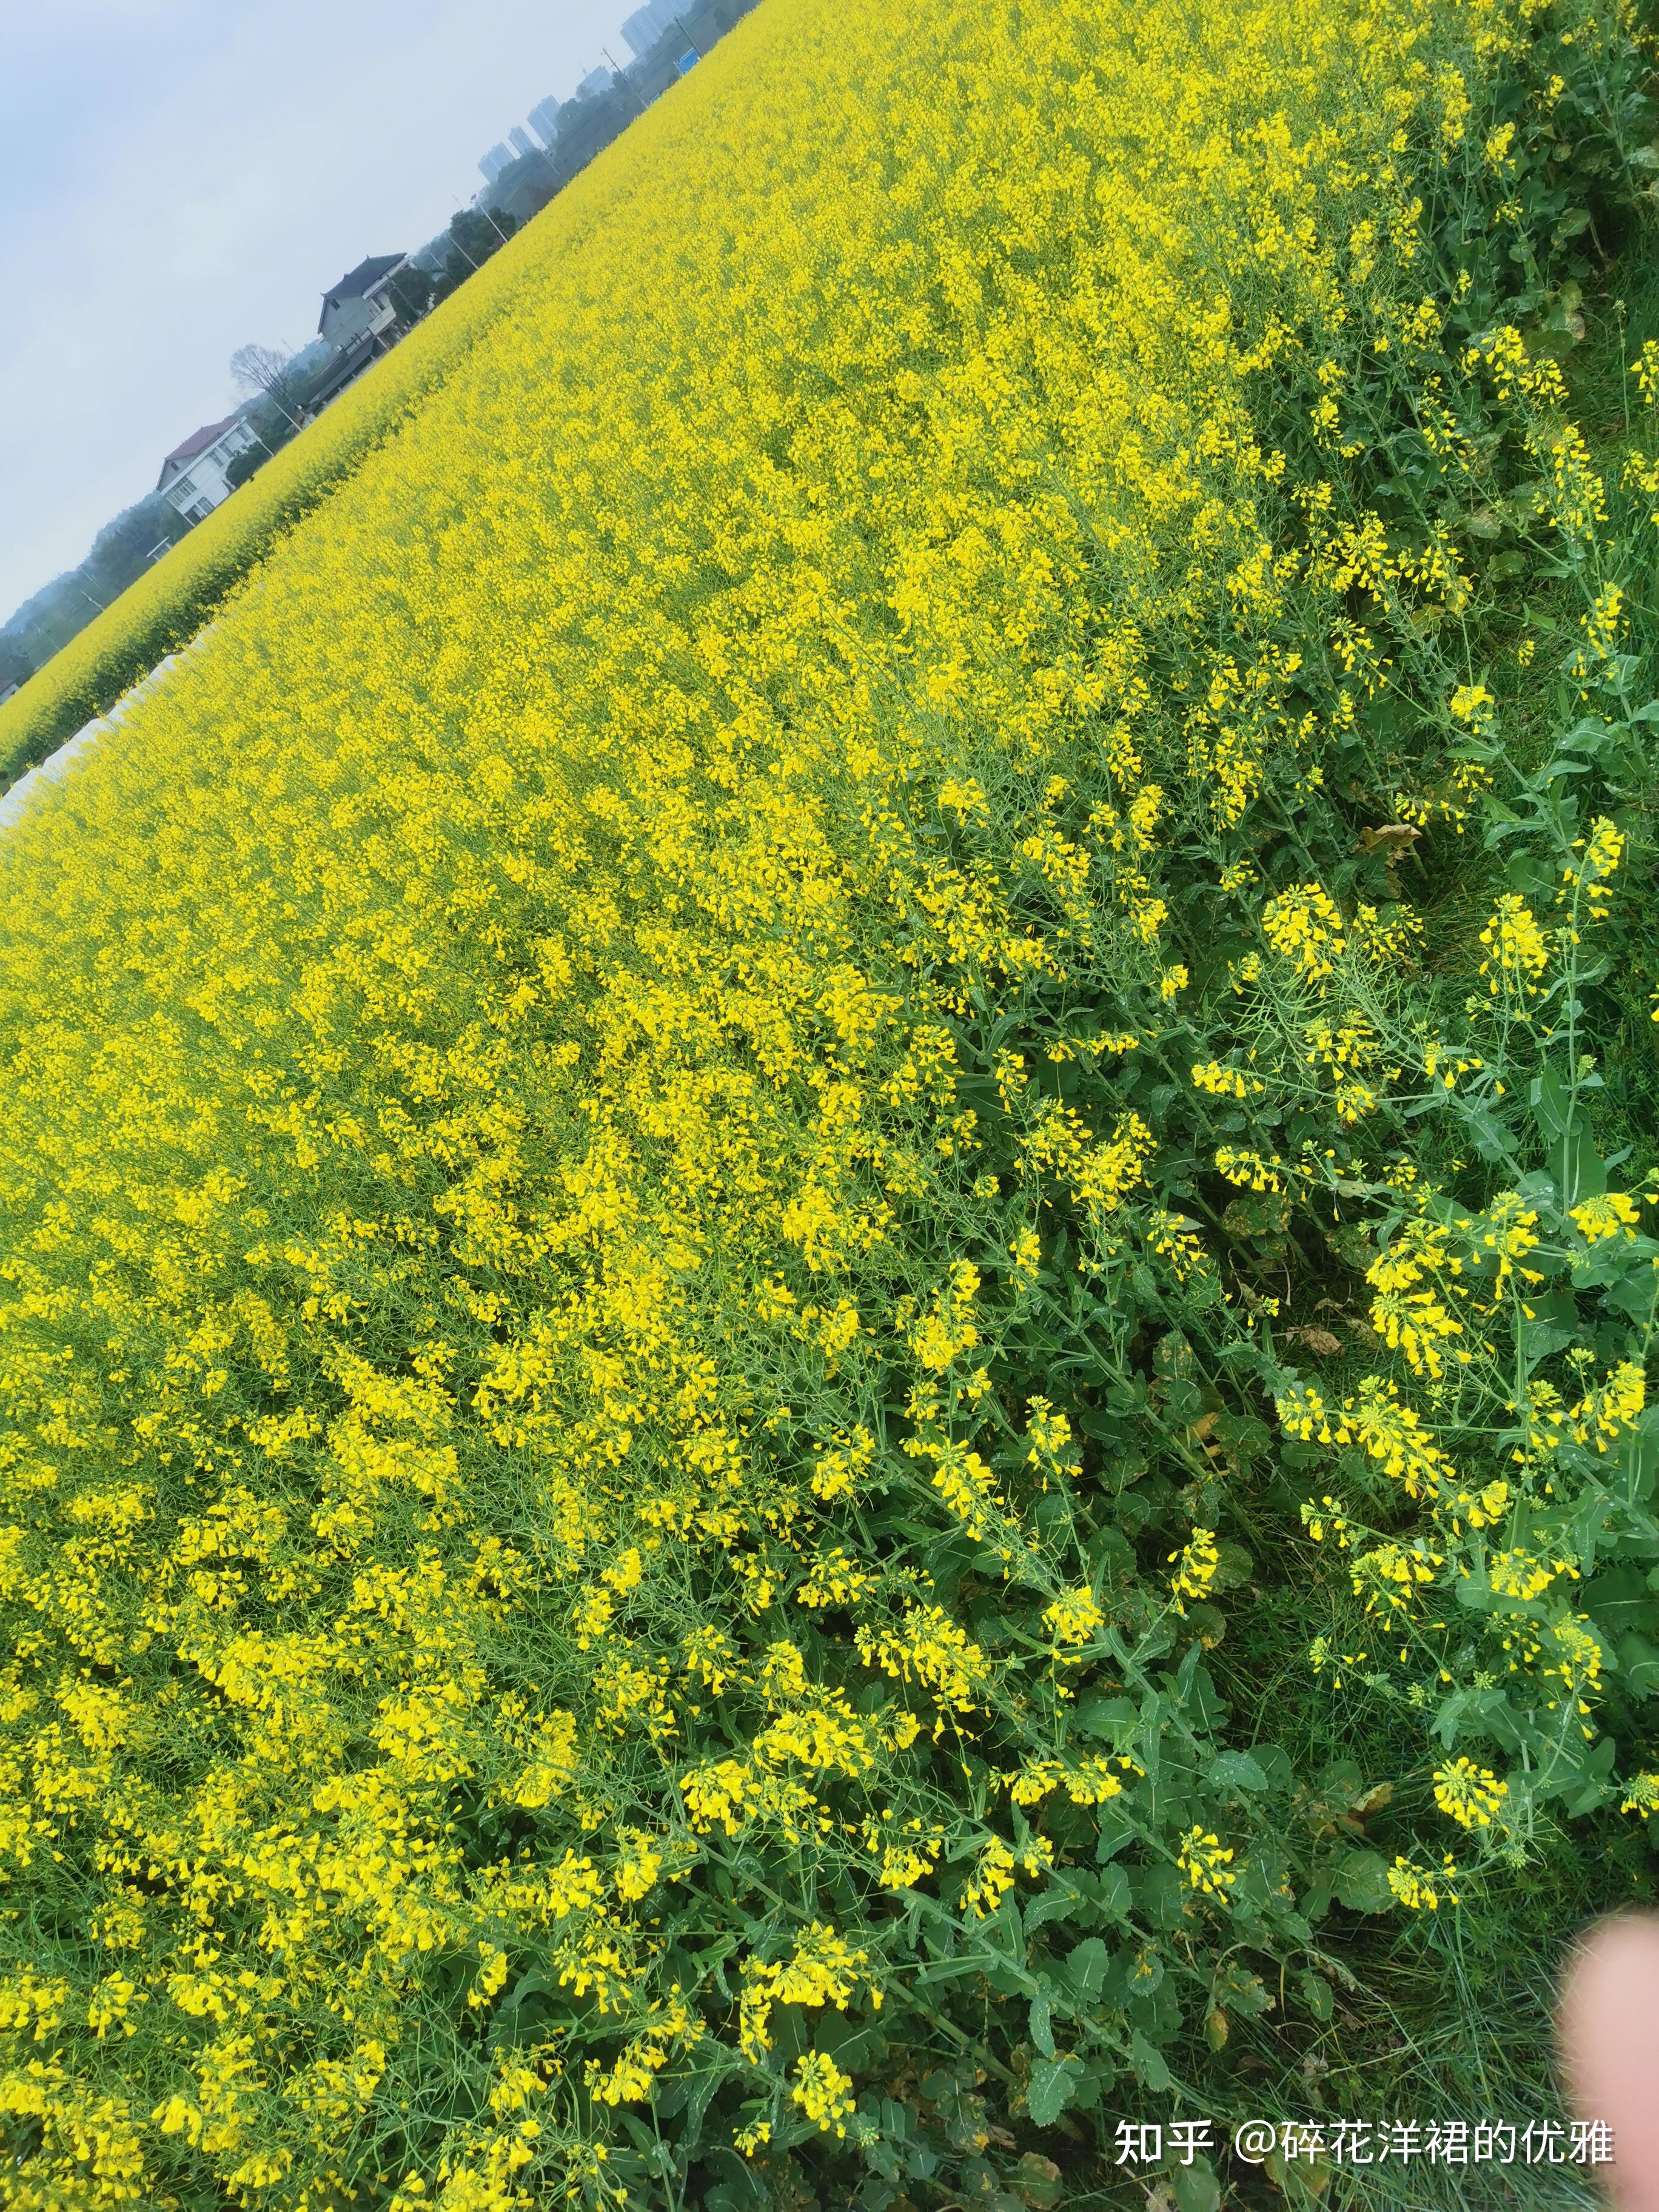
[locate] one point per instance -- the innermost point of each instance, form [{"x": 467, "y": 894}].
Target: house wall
[
  {"x": 348, "y": 319},
  {"x": 198, "y": 489},
  {"x": 366, "y": 316}
]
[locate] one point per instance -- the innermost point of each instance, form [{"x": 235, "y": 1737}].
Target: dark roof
[
  {"x": 197, "y": 441},
  {"x": 347, "y": 364},
  {"x": 357, "y": 281}
]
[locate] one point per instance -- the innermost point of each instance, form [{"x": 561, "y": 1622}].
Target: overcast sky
[{"x": 180, "y": 176}]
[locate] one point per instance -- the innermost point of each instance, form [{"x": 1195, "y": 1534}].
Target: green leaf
[
  {"x": 1235, "y": 1770},
  {"x": 1552, "y": 1105},
  {"x": 1275, "y": 1762},
  {"x": 1112, "y": 1888},
  {"x": 1038, "y": 2182},
  {"x": 1317, "y": 1996},
  {"x": 1550, "y": 1323},
  {"x": 1051, "y": 1904},
  {"x": 1111, "y": 1717},
  {"x": 1639, "y": 1661},
  {"x": 1579, "y": 1776},
  {"x": 1041, "y": 2019},
  {"x": 1150, "y": 2069},
  {"x": 1086, "y": 1965},
  {"x": 1198, "y": 1695},
  {"x": 1361, "y": 1881},
  {"x": 1195, "y": 2187},
  {"x": 703, "y": 2086},
  {"x": 1621, "y": 1600},
  {"x": 1638, "y": 1457},
  {"x": 1053, "y": 2085},
  {"x": 1116, "y": 1828},
  {"x": 1477, "y": 1712}
]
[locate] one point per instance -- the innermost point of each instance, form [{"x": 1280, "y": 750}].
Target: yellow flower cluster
[
  {"x": 822, "y": 1971},
  {"x": 1207, "y": 1862},
  {"x": 1612, "y": 1214},
  {"x": 1517, "y": 953},
  {"x": 1468, "y": 1794},
  {"x": 1420, "y": 1889},
  {"x": 823, "y": 2092},
  {"x": 1073, "y": 1617},
  {"x": 1305, "y": 926},
  {"x": 1196, "y": 1566},
  {"x": 1223, "y": 1082},
  {"x": 1377, "y": 1419}
]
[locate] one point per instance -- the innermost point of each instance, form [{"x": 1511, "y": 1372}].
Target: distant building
[
  {"x": 192, "y": 478},
  {"x": 521, "y": 141},
  {"x": 345, "y": 368},
  {"x": 497, "y": 159},
  {"x": 596, "y": 81},
  {"x": 6, "y": 691},
  {"x": 358, "y": 322},
  {"x": 359, "y": 309},
  {"x": 647, "y": 25},
  {"x": 543, "y": 119}
]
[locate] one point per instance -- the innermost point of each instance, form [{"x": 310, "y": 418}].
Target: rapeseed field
[{"x": 826, "y": 1184}]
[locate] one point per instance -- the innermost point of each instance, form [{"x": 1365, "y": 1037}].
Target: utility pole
[
  {"x": 687, "y": 36},
  {"x": 456, "y": 242},
  {"x": 618, "y": 77},
  {"x": 500, "y": 233}
]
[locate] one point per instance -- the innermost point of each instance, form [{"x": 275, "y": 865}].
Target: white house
[
  {"x": 359, "y": 309},
  {"x": 193, "y": 476},
  {"x": 358, "y": 323}
]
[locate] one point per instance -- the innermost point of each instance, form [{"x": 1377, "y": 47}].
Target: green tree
[
  {"x": 15, "y": 667},
  {"x": 411, "y": 292},
  {"x": 473, "y": 237},
  {"x": 272, "y": 429},
  {"x": 121, "y": 552}
]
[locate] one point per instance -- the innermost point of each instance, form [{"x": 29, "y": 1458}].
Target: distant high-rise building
[
  {"x": 544, "y": 120},
  {"x": 497, "y": 159},
  {"x": 596, "y": 81},
  {"x": 521, "y": 141},
  {"x": 647, "y": 25}
]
